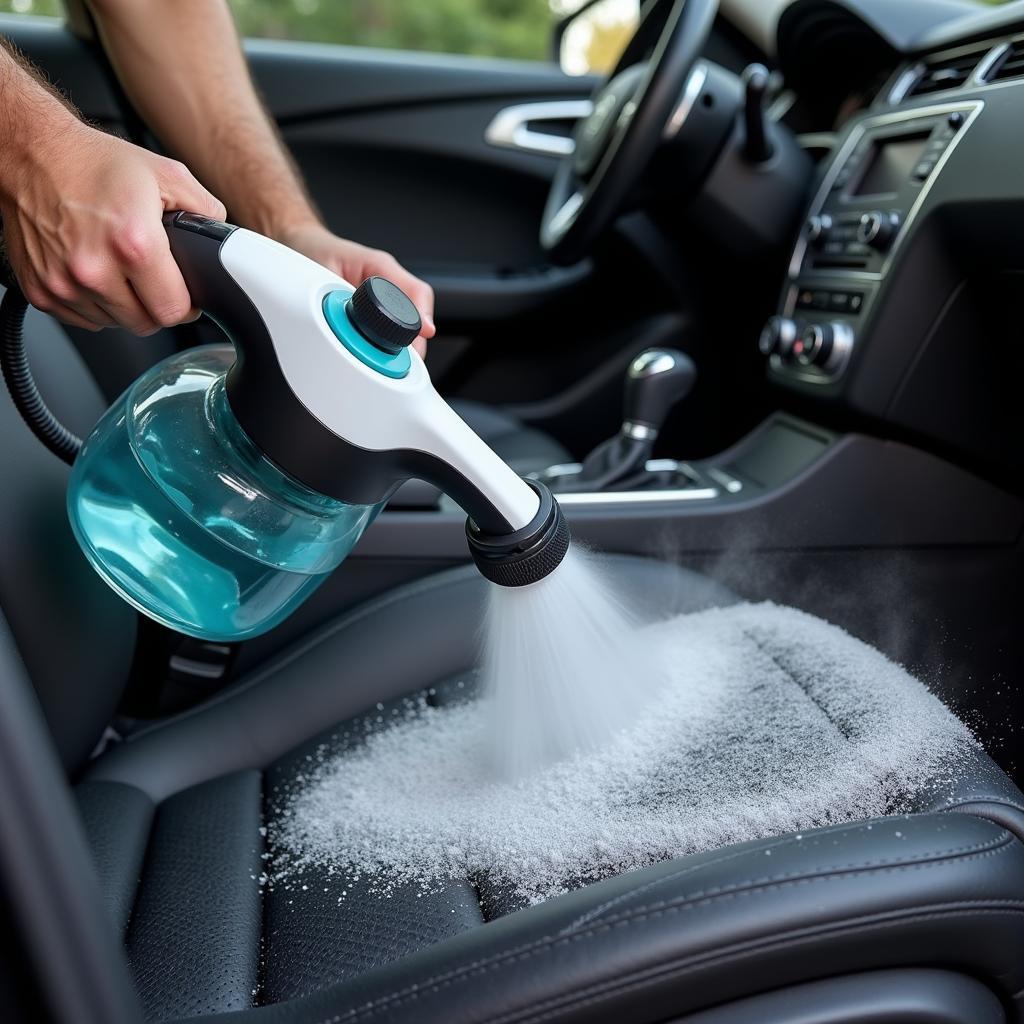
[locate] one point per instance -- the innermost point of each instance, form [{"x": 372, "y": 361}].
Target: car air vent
[
  {"x": 1008, "y": 65},
  {"x": 943, "y": 73}
]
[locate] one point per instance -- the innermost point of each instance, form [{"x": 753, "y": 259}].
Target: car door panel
[{"x": 394, "y": 149}]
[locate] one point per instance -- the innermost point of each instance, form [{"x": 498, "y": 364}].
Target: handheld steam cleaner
[{"x": 228, "y": 481}]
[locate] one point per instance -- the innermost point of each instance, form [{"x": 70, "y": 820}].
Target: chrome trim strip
[
  {"x": 638, "y": 431},
  {"x": 906, "y": 81},
  {"x": 781, "y": 105},
  {"x": 729, "y": 482},
  {"x": 695, "y": 493},
  {"x": 987, "y": 63},
  {"x": 637, "y": 497},
  {"x": 562, "y": 469},
  {"x": 694, "y": 84},
  {"x": 566, "y": 214},
  {"x": 817, "y": 140},
  {"x": 510, "y": 128}
]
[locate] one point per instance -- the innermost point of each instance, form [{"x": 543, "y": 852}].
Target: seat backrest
[{"x": 74, "y": 634}]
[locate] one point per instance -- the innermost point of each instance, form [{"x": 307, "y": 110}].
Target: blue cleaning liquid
[{"x": 185, "y": 519}]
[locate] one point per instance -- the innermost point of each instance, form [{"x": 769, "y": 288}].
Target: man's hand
[
  {"x": 82, "y": 221},
  {"x": 356, "y": 263}
]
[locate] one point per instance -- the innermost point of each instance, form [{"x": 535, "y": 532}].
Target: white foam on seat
[{"x": 770, "y": 721}]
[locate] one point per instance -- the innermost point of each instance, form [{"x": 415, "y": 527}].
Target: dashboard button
[
  {"x": 856, "y": 301},
  {"x": 839, "y": 302},
  {"x": 778, "y": 336},
  {"x": 826, "y": 346},
  {"x": 878, "y": 229},
  {"x": 818, "y": 228}
]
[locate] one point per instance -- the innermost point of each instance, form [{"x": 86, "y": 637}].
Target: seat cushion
[
  {"x": 183, "y": 817},
  {"x": 524, "y": 448}
]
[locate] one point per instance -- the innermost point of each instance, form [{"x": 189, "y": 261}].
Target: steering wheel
[{"x": 632, "y": 110}]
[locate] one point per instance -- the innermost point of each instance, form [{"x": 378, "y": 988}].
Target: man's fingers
[
  {"x": 123, "y": 306},
  {"x": 66, "y": 315},
  {"x": 157, "y": 281},
  {"x": 66, "y": 302},
  {"x": 92, "y": 312},
  {"x": 420, "y": 292},
  {"x": 181, "y": 191}
]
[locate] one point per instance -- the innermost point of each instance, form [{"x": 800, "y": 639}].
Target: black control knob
[
  {"x": 823, "y": 345},
  {"x": 656, "y": 380},
  {"x": 384, "y": 315},
  {"x": 777, "y": 337},
  {"x": 818, "y": 228},
  {"x": 878, "y": 229}
]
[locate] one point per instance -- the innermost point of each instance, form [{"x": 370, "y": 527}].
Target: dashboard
[{"x": 912, "y": 249}]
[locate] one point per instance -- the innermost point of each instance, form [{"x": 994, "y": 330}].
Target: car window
[
  {"x": 491, "y": 28},
  {"x": 54, "y": 7}
]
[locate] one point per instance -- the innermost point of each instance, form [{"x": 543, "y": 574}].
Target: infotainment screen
[{"x": 890, "y": 164}]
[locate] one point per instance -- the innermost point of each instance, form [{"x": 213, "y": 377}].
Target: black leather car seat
[{"x": 925, "y": 907}]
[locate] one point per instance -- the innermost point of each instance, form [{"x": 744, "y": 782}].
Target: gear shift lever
[{"x": 656, "y": 381}]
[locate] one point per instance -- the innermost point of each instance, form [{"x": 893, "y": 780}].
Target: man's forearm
[
  {"x": 182, "y": 67},
  {"x": 30, "y": 114}
]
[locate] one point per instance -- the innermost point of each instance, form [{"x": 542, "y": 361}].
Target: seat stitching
[
  {"x": 792, "y": 938},
  {"x": 775, "y": 844},
  {"x": 886, "y": 919},
  {"x": 998, "y": 845},
  {"x": 968, "y": 801},
  {"x": 837, "y": 869}
]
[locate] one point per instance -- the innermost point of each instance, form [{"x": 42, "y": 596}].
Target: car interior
[{"x": 812, "y": 211}]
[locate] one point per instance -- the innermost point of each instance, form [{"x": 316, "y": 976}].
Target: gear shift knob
[{"x": 656, "y": 381}]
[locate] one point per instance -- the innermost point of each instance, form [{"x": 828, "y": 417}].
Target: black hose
[{"x": 18, "y": 375}]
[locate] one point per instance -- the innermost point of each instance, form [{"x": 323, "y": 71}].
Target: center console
[{"x": 870, "y": 195}]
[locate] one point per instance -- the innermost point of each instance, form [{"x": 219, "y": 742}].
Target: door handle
[{"x": 511, "y": 129}]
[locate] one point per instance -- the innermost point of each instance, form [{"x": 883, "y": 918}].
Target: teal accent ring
[{"x": 336, "y": 314}]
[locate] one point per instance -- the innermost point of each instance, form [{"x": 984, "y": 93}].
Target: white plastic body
[{"x": 352, "y": 400}]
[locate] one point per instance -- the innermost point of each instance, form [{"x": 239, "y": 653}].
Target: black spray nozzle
[{"x": 527, "y": 555}]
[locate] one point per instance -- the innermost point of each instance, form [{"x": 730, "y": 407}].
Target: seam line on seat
[
  {"x": 968, "y": 801},
  {"x": 776, "y": 844},
  {"x": 837, "y": 869},
  {"x": 793, "y": 937},
  {"x": 789, "y": 939},
  {"x": 998, "y": 845}
]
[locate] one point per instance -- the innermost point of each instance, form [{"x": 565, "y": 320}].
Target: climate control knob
[
  {"x": 817, "y": 229},
  {"x": 778, "y": 337},
  {"x": 878, "y": 229},
  {"x": 823, "y": 345}
]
